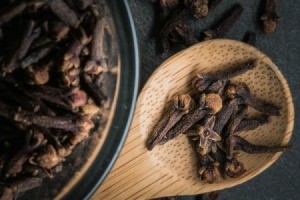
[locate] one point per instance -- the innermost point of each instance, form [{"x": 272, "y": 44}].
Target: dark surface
[{"x": 282, "y": 180}]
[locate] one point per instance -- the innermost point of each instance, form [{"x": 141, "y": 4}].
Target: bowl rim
[{"x": 126, "y": 100}]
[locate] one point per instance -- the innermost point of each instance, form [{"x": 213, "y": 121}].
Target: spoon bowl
[{"x": 171, "y": 169}]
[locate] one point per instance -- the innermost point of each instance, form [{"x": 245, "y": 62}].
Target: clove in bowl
[{"x": 59, "y": 76}]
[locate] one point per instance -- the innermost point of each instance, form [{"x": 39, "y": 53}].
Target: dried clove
[
  {"x": 209, "y": 168},
  {"x": 242, "y": 90},
  {"x": 234, "y": 168},
  {"x": 15, "y": 164},
  {"x": 222, "y": 28},
  {"x": 270, "y": 18},
  {"x": 182, "y": 31},
  {"x": 64, "y": 13},
  {"x": 243, "y": 145},
  {"x": 237, "y": 118},
  {"x": 12, "y": 12},
  {"x": 24, "y": 184},
  {"x": 30, "y": 35},
  {"x": 183, "y": 104},
  {"x": 39, "y": 75},
  {"x": 250, "y": 38},
  {"x": 69, "y": 99},
  {"x": 203, "y": 81},
  {"x": 210, "y": 103},
  {"x": 58, "y": 30},
  {"x": 83, "y": 4},
  {"x": 72, "y": 62},
  {"x": 169, "y": 26},
  {"x": 97, "y": 62},
  {"x": 42, "y": 121},
  {"x": 96, "y": 93},
  {"x": 47, "y": 157},
  {"x": 208, "y": 137},
  {"x": 225, "y": 113},
  {"x": 251, "y": 124},
  {"x": 166, "y": 6},
  {"x": 77, "y": 125},
  {"x": 37, "y": 55},
  {"x": 197, "y": 8}
]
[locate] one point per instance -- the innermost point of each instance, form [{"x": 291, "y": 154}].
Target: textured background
[{"x": 282, "y": 180}]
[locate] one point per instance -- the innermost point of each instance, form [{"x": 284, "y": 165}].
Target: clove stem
[
  {"x": 222, "y": 28},
  {"x": 64, "y": 12},
  {"x": 12, "y": 12}
]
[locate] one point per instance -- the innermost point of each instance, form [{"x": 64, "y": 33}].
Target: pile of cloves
[
  {"x": 175, "y": 30},
  {"x": 53, "y": 74},
  {"x": 212, "y": 117}
]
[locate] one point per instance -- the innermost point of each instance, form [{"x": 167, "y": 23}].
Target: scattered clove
[
  {"x": 182, "y": 31},
  {"x": 222, "y": 28},
  {"x": 270, "y": 18}
]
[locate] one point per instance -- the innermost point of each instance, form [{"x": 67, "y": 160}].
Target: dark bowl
[{"x": 126, "y": 95}]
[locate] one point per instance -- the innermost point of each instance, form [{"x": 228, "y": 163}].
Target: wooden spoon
[{"x": 170, "y": 169}]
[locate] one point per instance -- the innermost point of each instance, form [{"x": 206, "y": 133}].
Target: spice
[
  {"x": 210, "y": 103},
  {"x": 234, "y": 168},
  {"x": 169, "y": 26},
  {"x": 30, "y": 35},
  {"x": 237, "y": 118},
  {"x": 97, "y": 62},
  {"x": 182, "y": 33},
  {"x": 242, "y": 144},
  {"x": 183, "y": 104},
  {"x": 15, "y": 164},
  {"x": 225, "y": 113},
  {"x": 212, "y": 125},
  {"x": 37, "y": 55},
  {"x": 45, "y": 107},
  {"x": 270, "y": 18},
  {"x": 207, "y": 136},
  {"x": 241, "y": 90},
  {"x": 203, "y": 81},
  {"x": 12, "y": 12},
  {"x": 197, "y": 8},
  {"x": 64, "y": 13},
  {"x": 251, "y": 124},
  {"x": 222, "y": 28}
]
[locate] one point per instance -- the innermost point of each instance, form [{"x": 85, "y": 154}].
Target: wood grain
[{"x": 170, "y": 169}]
